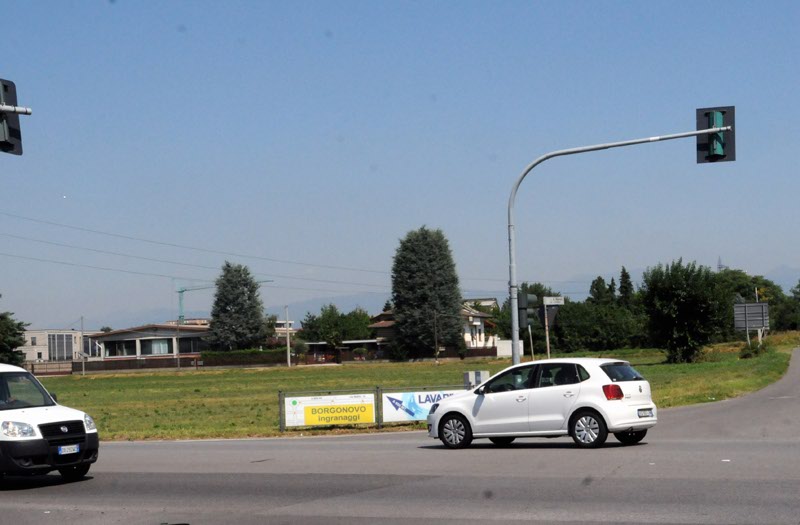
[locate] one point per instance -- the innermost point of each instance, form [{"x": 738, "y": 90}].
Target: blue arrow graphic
[{"x": 398, "y": 405}]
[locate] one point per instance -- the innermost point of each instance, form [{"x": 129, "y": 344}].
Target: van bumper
[{"x": 38, "y": 456}]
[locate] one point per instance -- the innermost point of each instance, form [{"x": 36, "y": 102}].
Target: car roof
[
  {"x": 10, "y": 368},
  {"x": 589, "y": 361}
]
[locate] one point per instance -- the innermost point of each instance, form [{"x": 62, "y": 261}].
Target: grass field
[{"x": 237, "y": 403}]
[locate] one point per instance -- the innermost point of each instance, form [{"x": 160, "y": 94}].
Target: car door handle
[
  {"x": 568, "y": 394},
  {"x": 520, "y": 399}
]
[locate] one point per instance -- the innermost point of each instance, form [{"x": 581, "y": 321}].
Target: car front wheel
[
  {"x": 630, "y": 438},
  {"x": 455, "y": 432},
  {"x": 588, "y": 429}
]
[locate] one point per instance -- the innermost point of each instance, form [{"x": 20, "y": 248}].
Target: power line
[
  {"x": 195, "y": 248},
  {"x": 234, "y": 254},
  {"x": 149, "y": 274},
  {"x": 151, "y": 259}
]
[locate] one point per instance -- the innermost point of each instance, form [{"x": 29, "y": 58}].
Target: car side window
[
  {"x": 517, "y": 379},
  {"x": 554, "y": 374},
  {"x": 582, "y": 373}
]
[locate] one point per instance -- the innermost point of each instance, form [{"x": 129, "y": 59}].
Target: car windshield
[
  {"x": 22, "y": 390},
  {"x": 621, "y": 372}
]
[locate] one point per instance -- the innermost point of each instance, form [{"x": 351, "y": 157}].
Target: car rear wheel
[
  {"x": 74, "y": 473},
  {"x": 630, "y": 438},
  {"x": 455, "y": 432},
  {"x": 502, "y": 441},
  {"x": 588, "y": 429}
]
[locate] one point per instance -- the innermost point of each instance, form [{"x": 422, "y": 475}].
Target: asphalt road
[{"x": 730, "y": 462}]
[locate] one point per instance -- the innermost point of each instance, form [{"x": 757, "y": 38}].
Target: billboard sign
[
  {"x": 411, "y": 406},
  {"x": 330, "y": 410}
]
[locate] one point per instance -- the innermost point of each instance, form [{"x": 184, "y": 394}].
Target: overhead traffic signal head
[
  {"x": 526, "y": 304},
  {"x": 719, "y": 146},
  {"x": 10, "y": 135}
]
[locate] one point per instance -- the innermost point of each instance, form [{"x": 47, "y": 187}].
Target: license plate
[
  {"x": 645, "y": 412},
  {"x": 68, "y": 449}
]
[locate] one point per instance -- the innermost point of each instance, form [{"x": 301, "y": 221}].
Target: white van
[{"x": 37, "y": 435}]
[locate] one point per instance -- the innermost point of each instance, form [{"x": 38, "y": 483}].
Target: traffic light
[
  {"x": 10, "y": 135},
  {"x": 720, "y": 146},
  {"x": 526, "y": 304}
]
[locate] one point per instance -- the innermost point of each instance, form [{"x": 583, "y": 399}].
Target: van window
[{"x": 22, "y": 390}]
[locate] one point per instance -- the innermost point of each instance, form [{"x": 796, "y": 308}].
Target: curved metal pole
[{"x": 512, "y": 263}]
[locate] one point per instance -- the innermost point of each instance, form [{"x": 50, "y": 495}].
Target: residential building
[
  {"x": 57, "y": 345},
  {"x": 474, "y": 323},
  {"x": 152, "y": 340}
]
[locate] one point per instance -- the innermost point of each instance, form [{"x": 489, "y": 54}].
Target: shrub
[{"x": 755, "y": 350}]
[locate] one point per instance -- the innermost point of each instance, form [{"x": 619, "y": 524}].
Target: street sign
[
  {"x": 750, "y": 316},
  {"x": 553, "y": 301}
]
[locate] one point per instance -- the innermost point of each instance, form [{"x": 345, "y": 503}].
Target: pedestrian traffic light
[
  {"x": 10, "y": 135},
  {"x": 719, "y": 146},
  {"x": 526, "y": 305}
]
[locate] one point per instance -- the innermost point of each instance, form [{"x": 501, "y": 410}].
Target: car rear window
[{"x": 618, "y": 372}]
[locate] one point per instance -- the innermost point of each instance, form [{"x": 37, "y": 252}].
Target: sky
[{"x": 305, "y": 139}]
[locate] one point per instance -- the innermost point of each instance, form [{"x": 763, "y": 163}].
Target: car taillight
[{"x": 612, "y": 392}]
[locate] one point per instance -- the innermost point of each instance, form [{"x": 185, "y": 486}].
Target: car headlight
[
  {"x": 89, "y": 422},
  {"x": 16, "y": 429},
  {"x": 433, "y": 408}
]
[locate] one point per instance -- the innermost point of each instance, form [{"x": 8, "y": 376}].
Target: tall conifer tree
[
  {"x": 237, "y": 317},
  {"x": 425, "y": 295}
]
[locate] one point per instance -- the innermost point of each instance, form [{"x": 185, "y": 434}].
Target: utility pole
[
  {"x": 714, "y": 146},
  {"x": 288, "y": 339}
]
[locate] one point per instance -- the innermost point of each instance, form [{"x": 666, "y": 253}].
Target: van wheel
[{"x": 74, "y": 473}]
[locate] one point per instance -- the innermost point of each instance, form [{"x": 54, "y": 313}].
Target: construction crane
[{"x": 183, "y": 289}]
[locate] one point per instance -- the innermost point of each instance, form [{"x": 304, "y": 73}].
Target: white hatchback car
[{"x": 585, "y": 398}]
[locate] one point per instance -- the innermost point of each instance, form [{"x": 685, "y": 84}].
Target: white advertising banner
[
  {"x": 411, "y": 406},
  {"x": 330, "y": 410}
]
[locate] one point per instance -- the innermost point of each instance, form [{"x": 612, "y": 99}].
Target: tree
[
  {"x": 356, "y": 325},
  {"x": 600, "y": 293},
  {"x": 333, "y": 327},
  {"x": 682, "y": 304},
  {"x": 330, "y": 326},
  {"x": 626, "y": 291},
  {"x": 736, "y": 285},
  {"x": 425, "y": 294},
  {"x": 237, "y": 317},
  {"x": 388, "y": 306},
  {"x": 12, "y": 336},
  {"x": 106, "y": 329},
  {"x": 270, "y": 322},
  {"x": 310, "y": 329}
]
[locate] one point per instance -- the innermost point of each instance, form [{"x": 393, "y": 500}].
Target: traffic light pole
[
  {"x": 512, "y": 263},
  {"x": 15, "y": 109}
]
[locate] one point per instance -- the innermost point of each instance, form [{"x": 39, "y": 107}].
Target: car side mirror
[
  {"x": 54, "y": 396},
  {"x": 480, "y": 391}
]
